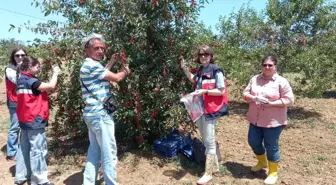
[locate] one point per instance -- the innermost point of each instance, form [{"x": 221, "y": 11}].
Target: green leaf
[
  {"x": 47, "y": 13},
  {"x": 11, "y": 27},
  {"x": 37, "y": 4}
]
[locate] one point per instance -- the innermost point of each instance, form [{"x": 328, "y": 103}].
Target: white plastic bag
[{"x": 194, "y": 106}]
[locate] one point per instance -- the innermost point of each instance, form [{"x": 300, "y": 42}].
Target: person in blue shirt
[{"x": 95, "y": 87}]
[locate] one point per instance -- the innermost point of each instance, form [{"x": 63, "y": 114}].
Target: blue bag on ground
[
  {"x": 173, "y": 143},
  {"x": 198, "y": 151}
]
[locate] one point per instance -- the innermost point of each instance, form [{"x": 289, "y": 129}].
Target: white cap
[{"x": 92, "y": 36}]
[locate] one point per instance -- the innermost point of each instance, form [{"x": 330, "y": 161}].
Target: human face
[
  {"x": 204, "y": 57},
  {"x": 34, "y": 70},
  {"x": 268, "y": 68},
  {"x": 18, "y": 56},
  {"x": 96, "y": 50}
]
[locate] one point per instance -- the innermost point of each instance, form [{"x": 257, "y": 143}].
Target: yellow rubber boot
[
  {"x": 272, "y": 173},
  {"x": 262, "y": 163}
]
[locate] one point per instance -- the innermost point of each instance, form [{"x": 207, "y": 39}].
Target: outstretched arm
[{"x": 51, "y": 85}]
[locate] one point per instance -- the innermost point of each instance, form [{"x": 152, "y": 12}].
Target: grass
[
  {"x": 315, "y": 159},
  {"x": 322, "y": 157},
  {"x": 310, "y": 122},
  {"x": 224, "y": 170},
  {"x": 314, "y": 164},
  {"x": 333, "y": 128}
]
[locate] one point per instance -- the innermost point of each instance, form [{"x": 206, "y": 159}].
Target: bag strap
[
  {"x": 198, "y": 75},
  {"x": 94, "y": 96}
]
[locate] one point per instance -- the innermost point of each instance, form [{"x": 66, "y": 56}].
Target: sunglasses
[
  {"x": 203, "y": 54},
  {"x": 267, "y": 65},
  {"x": 20, "y": 55}
]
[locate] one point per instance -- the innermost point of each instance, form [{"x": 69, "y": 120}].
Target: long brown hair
[{"x": 11, "y": 58}]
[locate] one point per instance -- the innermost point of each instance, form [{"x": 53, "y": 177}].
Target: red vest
[
  {"x": 32, "y": 110},
  {"x": 10, "y": 89},
  {"x": 214, "y": 106}
]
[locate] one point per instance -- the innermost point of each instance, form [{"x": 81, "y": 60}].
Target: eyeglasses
[
  {"x": 203, "y": 54},
  {"x": 267, "y": 65},
  {"x": 20, "y": 55}
]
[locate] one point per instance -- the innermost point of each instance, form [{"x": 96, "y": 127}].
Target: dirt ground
[{"x": 308, "y": 154}]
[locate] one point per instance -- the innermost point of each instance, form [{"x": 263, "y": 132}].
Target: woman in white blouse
[{"x": 16, "y": 58}]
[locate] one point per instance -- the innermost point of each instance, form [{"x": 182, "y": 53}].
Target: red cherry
[
  {"x": 169, "y": 102},
  {"x": 82, "y": 2},
  {"x": 193, "y": 70},
  {"x": 136, "y": 121},
  {"x": 48, "y": 60},
  {"x": 140, "y": 139},
  {"x": 123, "y": 57},
  {"x": 164, "y": 71},
  {"x": 155, "y": 114},
  {"x": 117, "y": 57},
  {"x": 193, "y": 3},
  {"x": 74, "y": 131},
  {"x": 132, "y": 40},
  {"x": 157, "y": 89},
  {"x": 165, "y": 12}
]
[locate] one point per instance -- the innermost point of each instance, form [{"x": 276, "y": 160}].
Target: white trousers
[{"x": 207, "y": 130}]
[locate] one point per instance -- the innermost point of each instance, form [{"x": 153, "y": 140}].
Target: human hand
[
  {"x": 270, "y": 104},
  {"x": 183, "y": 63},
  {"x": 199, "y": 92},
  {"x": 56, "y": 70},
  {"x": 260, "y": 99},
  {"x": 115, "y": 57},
  {"x": 125, "y": 68}
]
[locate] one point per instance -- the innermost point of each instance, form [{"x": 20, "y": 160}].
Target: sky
[{"x": 19, "y": 12}]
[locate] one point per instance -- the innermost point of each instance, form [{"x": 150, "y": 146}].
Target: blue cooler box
[
  {"x": 173, "y": 143},
  {"x": 165, "y": 147}
]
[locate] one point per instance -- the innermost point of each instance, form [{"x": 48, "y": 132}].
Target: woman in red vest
[
  {"x": 16, "y": 58},
  {"x": 209, "y": 83},
  {"x": 33, "y": 115}
]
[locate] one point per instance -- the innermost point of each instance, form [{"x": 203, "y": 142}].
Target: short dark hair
[
  {"x": 11, "y": 59},
  {"x": 272, "y": 57}
]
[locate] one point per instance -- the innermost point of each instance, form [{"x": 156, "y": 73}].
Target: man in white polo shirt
[{"x": 95, "y": 87}]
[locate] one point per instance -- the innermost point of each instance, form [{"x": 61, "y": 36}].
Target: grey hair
[{"x": 88, "y": 44}]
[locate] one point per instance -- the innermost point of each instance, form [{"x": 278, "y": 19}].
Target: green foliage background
[{"x": 154, "y": 33}]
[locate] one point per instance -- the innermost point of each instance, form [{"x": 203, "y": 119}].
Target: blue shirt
[
  {"x": 219, "y": 77},
  {"x": 92, "y": 74}
]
